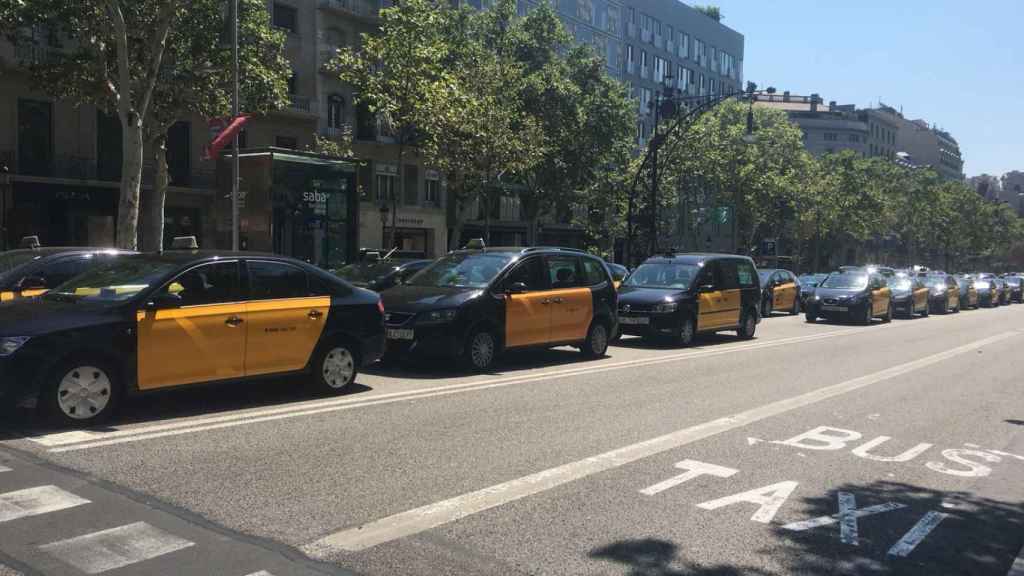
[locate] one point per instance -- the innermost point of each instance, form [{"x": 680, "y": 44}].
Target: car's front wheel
[
  {"x": 596, "y": 344},
  {"x": 888, "y": 313},
  {"x": 748, "y": 324},
  {"x": 796, "y": 307},
  {"x": 336, "y": 368},
  {"x": 684, "y": 337},
  {"x": 481, "y": 350},
  {"x": 867, "y": 316},
  {"x": 81, "y": 392}
]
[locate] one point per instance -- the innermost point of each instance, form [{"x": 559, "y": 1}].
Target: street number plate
[
  {"x": 635, "y": 320},
  {"x": 835, "y": 308},
  {"x": 399, "y": 334}
]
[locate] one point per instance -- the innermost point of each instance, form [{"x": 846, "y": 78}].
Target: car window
[
  {"x": 215, "y": 283},
  {"x": 563, "y": 272},
  {"x": 745, "y": 274},
  {"x": 65, "y": 269},
  {"x": 728, "y": 270},
  {"x": 320, "y": 286},
  {"x": 709, "y": 275},
  {"x": 594, "y": 272},
  {"x": 529, "y": 272},
  {"x": 273, "y": 280}
]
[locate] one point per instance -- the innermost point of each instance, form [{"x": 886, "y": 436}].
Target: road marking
[
  {"x": 260, "y": 573},
  {"x": 851, "y": 514},
  {"x": 768, "y": 499},
  {"x": 439, "y": 513},
  {"x": 4, "y": 468},
  {"x": 694, "y": 469},
  {"x": 115, "y": 548},
  {"x": 916, "y": 534},
  {"x": 100, "y": 439},
  {"x": 36, "y": 501}
]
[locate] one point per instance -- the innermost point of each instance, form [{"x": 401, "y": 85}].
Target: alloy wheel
[{"x": 481, "y": 351}]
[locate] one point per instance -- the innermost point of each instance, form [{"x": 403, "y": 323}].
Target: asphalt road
[{"x": 813, "y": 449}]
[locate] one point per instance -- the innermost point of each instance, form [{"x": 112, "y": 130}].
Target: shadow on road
[
  {"x": 507, "y": 365},
  {"x": 978, "y": 536},
  {"x": 665, "y": 343},
  {"x": 654, "y": 557}
]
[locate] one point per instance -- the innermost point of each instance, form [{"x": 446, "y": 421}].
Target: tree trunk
[
  {"x": 131, "y": 182},
  {"x": 153, "y": 223}
]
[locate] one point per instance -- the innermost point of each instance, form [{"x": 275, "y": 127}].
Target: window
[
  {"x": 286, "y": 17},
  {"x": 630, "y": 57},
  {"x": 411, "y": 195},
  {"x": 631, "y": 15},
  {"x": 831, "y": 136},
  {"x": 563, "y": 272},
  {"x": 207, "y": 284},
  {"x": 529, "y": 272},
  {"x": 60, "y": 272},
  {"x": 289, "y": 142},
  {"x": 293, "y": 83},
  {"x": 645, "y": 100},
  {"x": 594, "y": 272},
  {"x": 728, "y": 274},
  {"x": 709, "y": 275},
  {"x": 684, "y": 45},
  {"x": 386, "y": 187},
  {"x": 366, "y": 123},
  {"x": 432, "y": 191},
  {"x": 854, "y": 138},
  {"x": 643, "y": 58},
  {"x": 35, "y": 137},
  {"x": 320, "y": 286},
  {"x": 272, "y": 280},
  {"x": 745, "y": 274},
  {"x": 659, "y": 69},
  {"x": 335, "y": 111}
]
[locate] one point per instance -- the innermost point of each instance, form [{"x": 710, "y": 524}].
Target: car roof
[
  {"x": 517, "y": 250},
  {"x": 55, "y": 250},
  {"x": 188, "y": 256},
  {"x": 694, "y": 257}
]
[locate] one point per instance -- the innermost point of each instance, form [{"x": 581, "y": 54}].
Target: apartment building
[{"x": 923, "y": 144}]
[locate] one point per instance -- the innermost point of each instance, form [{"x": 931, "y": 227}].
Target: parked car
[
  {"x": 1014, "y": 288},
  {"x": 679, "y": 295},
  {"x": 381, "y": 275},
  {"x": 618, "y": 272},
  {"x": 148, "y": 322},
  {"x": 808, "y": 282},
  {"x": 853, "y": 294},
  {"x": 30, "y": 272},
  {"x": 909, "y": 295},
  {"x": 780, "y": 291},
  {"x": 968, "y": 293},
  {"x": 474, "y": 304},
  {"x": 989, "y": 291},
  {"x": 1004, "y": 290},
  {"x": 943, "y": 292}
]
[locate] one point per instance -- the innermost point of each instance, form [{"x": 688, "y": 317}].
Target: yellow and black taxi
[
  {"x": 679, "y": 295},
  {"x": 473, "y": 304},
  {"x": 909, "y": 295},
  {"x": 854, "y": 294},
  {"x": 32, "y": 271},
  {"x": 989, "y": 291},
  {"x": 1014, "y": 288},
  {"x": 148, "y": 322},
  {"x": 968, "y": 292},
  {"x": 781, "y": 291},
  {"x": 943, "y": 292}
]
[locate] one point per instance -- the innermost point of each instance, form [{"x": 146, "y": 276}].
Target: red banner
[{"x": 225, "y": 130}]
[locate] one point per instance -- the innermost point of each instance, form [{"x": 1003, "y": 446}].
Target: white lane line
[
  {"x": 115, "y": 548},
  {"x": 260, "y": 573},
  {"x": 217, "y": 423},
  {"x": 36, "y": 501},
  {"x": 4, "y": 468},
  {"x": 433, "y": 515}
]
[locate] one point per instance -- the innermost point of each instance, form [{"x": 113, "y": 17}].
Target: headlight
[
  {"x": 982, "y": 285},
  {"x": 436, "y": 317},
  {"x": 666, "y": 307},
  {"x": 10, "y": 344}
]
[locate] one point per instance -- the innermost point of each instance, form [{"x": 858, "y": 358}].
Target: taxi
[
  {"x": 989, "y": 293},
  {"x": 474, "y": 304},
  {"x": 909, "y": 295},
  {"x": 943, "y": 292},
  {"x": 781, "y": 292},
  {"x": 29, "y": 272},
  {"x": 382, "y": 274},
  {"x": 1014, "y": 288},
  {"x": 968, "y": 292},
  {"x": 854, "y": 294},
  {"x": 677, "y": 296},
  {"x": 150, "y": 322}
]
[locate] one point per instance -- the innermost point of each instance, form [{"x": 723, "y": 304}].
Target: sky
[{"x": 956, "y": 64}]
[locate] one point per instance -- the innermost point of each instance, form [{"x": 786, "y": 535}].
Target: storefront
[
  {"x": 297, "y": 204},
  {"x": 60, "y": 214}
]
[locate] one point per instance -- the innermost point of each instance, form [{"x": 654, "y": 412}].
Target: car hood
[
  {"x": 37, "y": 316},
  {"x": 837, "y": 292},
  {"x": 636, "y": 295},
  {"x": 423, "y": 298}
]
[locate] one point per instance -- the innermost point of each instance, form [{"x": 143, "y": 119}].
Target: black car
[
  {"x": 30, "y": 272},
  {"x": 679, "y": 295},
  {"x": 990, "y": 292},
  {"x": 1014, "y": 288},
  {"x": 943, "y": 292},
  {"x": 618, "y": 271},
  {"x": 147, "y": 322},
  {"x": 474, "y": 304},
  {"x": 909, "y": 295},
  {"x": 853, "y": 294},
  {"x": 381, "y": 275}
]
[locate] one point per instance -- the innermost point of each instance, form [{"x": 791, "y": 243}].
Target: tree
[{"x": 713, "y": 12}]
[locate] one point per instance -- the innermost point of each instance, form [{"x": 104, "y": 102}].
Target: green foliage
[{"x": 713, "y": 12}]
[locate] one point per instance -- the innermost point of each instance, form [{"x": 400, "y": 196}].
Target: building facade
[{"x": 924, "y": 144}]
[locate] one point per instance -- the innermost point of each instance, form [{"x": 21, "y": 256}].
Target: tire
[
  {"x": 748, "y": 325},
  {"x": 766, "y": 308},
  {"x": 796, "y": 307},
  {"x": 687, "y": 329},
  {"x": 810, "y": 317},
  {"x": 80, "y": 391},
  {"x": 888, "y": 314},
  {"x": 868, "y": 316},
  {"x": 596, "y": 344},
  {"x": 336, "y": 367},
  {"x": 481, "y": 350}
]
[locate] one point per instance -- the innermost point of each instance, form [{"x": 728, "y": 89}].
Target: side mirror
[
  {"x": 164, "y": 301},
  {"x": 518, "y": 288},
  {"x": 32, "y": 283},
  {"x": 706, "y": 288}
]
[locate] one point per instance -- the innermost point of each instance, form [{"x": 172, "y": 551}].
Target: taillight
[{"x": 380, "y": 306}]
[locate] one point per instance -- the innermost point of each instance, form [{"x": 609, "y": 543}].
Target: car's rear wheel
[
  {"x": 810, "y": 317},
  {"x": 596, "y": 344},
  {"x": 766, "y": 307},
  {"x": 684, "y": 337},
  {"x": 796, "y": 307},
  {"x": 927, "y": 310},
  {"x": 888, "y": 314},
  {"x": 867, "y": 316},
  {"x": 481, "y": 350},
  {"x": 81, "y": 392},
  {"x": 748, "y": 324},
  {"x": 336, "y": 367}
]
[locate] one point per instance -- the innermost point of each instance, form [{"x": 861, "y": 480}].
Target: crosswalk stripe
[
  {"x": 115, "y": 548},
  {"x": 36, "y": 501}
]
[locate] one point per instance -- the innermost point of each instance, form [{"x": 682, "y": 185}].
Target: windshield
[
  {"x": 846, "y": 281},
  {"x": 116, "y": 281},
  {"x": 936, "y": 281},
  {"x": 811, "y": 279},
  {"x": 902, "y": 284},
  {"x": 11, "y": 260},
  {"x": 462, "y": 270},
  {"x": 364, "y": 274},
  {"x": 663, "y": 275}
]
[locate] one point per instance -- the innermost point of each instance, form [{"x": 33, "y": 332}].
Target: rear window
[{"x": 745, "y": 274}]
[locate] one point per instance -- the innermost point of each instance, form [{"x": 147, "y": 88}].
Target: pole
[
  {"x": 234, "y": 114},
  {"x": 654, "y": 180}
]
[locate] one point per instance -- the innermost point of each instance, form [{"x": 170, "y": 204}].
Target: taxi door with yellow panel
[
  {"x": 784, "y": 290},
  {"x": 920, "y": 294},
  {"x": 528, "y": 306},
  {"x": 285, "y": 320},
  {"x": 880, "y": 295},
  {"x": 712, "y": 308},
  {"x": 572, "y": 303},
  {"x": 193, "y": 329}
]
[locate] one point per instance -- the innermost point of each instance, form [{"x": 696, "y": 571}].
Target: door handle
[
  {"x": 315, "y": 314},
  {"x": 546, "y": 301},
  {"x": 557, "y": 300},
  {"x": 233, "y": 321}
]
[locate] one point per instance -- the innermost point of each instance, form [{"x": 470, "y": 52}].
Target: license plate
[
  {"x": 835, "y": 308},
  {"x": 399, "y": 334},
  {"x": 634, "y": 320}
]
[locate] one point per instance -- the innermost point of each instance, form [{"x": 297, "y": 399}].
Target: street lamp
[{"x": 384, "y": 210}]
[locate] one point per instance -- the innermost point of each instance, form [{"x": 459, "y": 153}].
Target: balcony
[
  {"x": 327, "y": 54},
  {"x": 364, "y": 9},
  {"x": 301, "y": 105}
]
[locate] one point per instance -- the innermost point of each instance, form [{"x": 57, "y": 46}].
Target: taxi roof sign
[
  {"x": 30, "y": 242},
  {"x": 476, "y": 244},
  {"x": 184, "y": 243}
]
